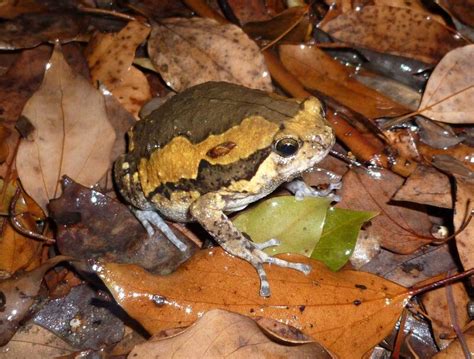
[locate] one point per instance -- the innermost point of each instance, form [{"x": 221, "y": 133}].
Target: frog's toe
[
  {"x": 150, "y": 218},
  {"x": 264, "y": 285},
  {"x": 267, "y": 244},
  {"x": 304, "y": 268}
]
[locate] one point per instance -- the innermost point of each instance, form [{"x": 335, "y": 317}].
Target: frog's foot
[
  {"x": 301, "y": 190},
  {"x": 149, "y": 218},
  {"x": 267, "y": 244},
  {"x": 208, "y": 211},
  {"x": 257, "y": 258}
]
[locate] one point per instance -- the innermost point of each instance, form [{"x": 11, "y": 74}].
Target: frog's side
[{"x": 215, "y": 148}]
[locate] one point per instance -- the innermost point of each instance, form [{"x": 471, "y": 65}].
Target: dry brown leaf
[
  {"x": 436, "y": 305},
  {"x": 427, "y": 186},
  {"x": 35, "y": 342},
  {"x": 291, "y": 25},
  {"x": 110, "y": 57},
  {"x": 361, "y": 191},
  {"x": 188, "y": 52},
  {"x": 415, "y": 5},
  {"x": 12, "y": 8},
  {"x": 255, "y": 10},
  {"x": 408, "y": 270},
  {"x": 348, "y": 312},
  {"x": 72, "y": 133},
  {"x": 462, "y": 210},
  {"x": 5, "y": 133},
  {"x": 16, "y": 251},
  {"x": 461, "y": 9},
  {"x": 394, "y": 30},
  {"x": 318, "y": 71},
  {"x": 21, "y": 80},
  {"x": 121, "y": 120},
  {"x": 219, "y": 334},
  {"x": 455, "y": 349},
  {"x": 449, "y": 94}
]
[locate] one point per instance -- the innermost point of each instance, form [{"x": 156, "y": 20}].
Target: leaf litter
[
  {"x": 90, "y": 223},
  {"x": 65, "y": 111}
]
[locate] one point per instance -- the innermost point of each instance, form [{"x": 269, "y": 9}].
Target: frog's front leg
[
  {"x": 208, "y": 210},
  {"x": 150, "y": 218}
]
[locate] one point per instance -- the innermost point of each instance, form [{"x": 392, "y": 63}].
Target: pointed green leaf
[
  {"x": 297, "y": 224},
  {"x": 339, "y": 236}
]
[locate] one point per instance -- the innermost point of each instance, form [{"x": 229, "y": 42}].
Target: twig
[{"x": 18, "y": 225}]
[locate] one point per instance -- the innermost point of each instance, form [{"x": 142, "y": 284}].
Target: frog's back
[{"x": 207, "y": 109}]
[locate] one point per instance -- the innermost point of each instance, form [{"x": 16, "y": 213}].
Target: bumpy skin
[{"x": 212, "y": 150}]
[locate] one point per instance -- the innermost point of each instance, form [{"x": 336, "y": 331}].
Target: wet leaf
[
  {"x": 84, "y": 318},
  {"x": 188, "y": 52},
  {"x": 220, "y": 334},
  {"x": 450, "y": 89},
  {"x": 17, "y": 295},
  {"x": 408, "y": 270},
  {"x": 318, "y": 71},
  {"x": 348, "y": 312},
  {"x": 395, "y": 30},
  {"x": 463, "y": 208},
  {"x": 400, "y": 229},
  {"x": 91, "y": 225},
  {"x": 426, "y": 186},
  {"x": 339, "y": 236},
  {"x": 72, "y": 133},
  {"x": 436, "y": 134},
  {"x": 110, "y": 57},
  {"x": 297, "y": 224},
  {"x": 436, "y": 304}
]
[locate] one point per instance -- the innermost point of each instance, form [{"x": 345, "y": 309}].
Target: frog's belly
[{"x": 176, "y": 205}]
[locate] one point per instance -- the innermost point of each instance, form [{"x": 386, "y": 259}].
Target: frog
[{"x": 212, "y": 150}]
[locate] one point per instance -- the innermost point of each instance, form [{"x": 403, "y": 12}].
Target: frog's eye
[{"x": 286, "y": 147}]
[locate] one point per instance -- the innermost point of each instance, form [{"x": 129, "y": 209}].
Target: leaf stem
[{"x": 440, "y": 283}]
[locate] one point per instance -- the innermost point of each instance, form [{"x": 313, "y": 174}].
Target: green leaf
[
  {"x": 339, "y": 236},
  {"x": 297, "y": 224}
]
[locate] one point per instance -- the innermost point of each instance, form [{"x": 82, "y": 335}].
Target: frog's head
[{"x": 303, "y": 140}]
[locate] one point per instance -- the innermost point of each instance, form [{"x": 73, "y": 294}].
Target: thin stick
[{"x": 120, "y": 15}]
